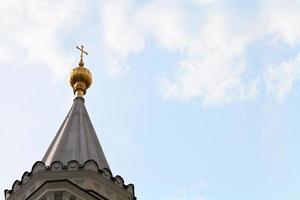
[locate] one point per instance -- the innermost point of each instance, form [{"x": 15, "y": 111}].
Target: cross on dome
[{"x": 81, "y": 54}]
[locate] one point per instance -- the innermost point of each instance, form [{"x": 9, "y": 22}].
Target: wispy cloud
[
  {"x": 281, "y": 19},
  {"x": 281, "y": 78},
  {"x": 194, "y": 192},
  {"x": 121, "y": 33},
  {"x": 211, "y": 38},
  {"x": 214, "y": 66},
  {"x": 206, "y": 2},
  {"x": 30, "y": 32}
]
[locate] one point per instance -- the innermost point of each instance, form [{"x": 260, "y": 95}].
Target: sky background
[{"x": 191, "y": 100}]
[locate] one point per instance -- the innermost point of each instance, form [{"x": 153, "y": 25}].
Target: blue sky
[{"x": 191, "y": 100}]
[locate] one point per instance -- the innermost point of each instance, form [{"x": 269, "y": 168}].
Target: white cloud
[
  {"x": 121, "y": 33},
  {"x": 266, "y": 132},
  {"x": 212, "y": 43},
  {"x": 214, "y": 66},
  {"x": 193, "y": 192},
  {"x": 206, "y": 2},
  {"x": 125, "y": 25},
  {"x": 30, "y": 32},
  {"x": 282, "y": 19},
  {"x": 166, "y": 22},
  {"x": 282, "y": 22},
  {"x": 281, "y": 78}
]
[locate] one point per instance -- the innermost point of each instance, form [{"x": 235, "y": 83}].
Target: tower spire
[
  {"x": 80, "y": 77},
  {"x": 74, "y": 166},
  {"x": 76, "y": 139}
]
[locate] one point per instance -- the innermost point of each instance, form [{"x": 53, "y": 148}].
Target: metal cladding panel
[{"x": 76, "y": 139}]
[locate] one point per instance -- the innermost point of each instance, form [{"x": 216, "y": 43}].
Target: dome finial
[{"x": 80, "y": 77}]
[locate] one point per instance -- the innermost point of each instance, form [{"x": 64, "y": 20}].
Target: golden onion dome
[{"x": 80, "y": 77}]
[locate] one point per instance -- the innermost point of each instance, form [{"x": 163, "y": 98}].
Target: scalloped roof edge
[{"x": 73, "y": 164}]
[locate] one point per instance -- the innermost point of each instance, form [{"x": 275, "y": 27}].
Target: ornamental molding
[{"x": 73, "y": 165}]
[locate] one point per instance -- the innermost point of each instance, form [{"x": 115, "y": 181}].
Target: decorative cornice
[{"x": 72, "y": 165}]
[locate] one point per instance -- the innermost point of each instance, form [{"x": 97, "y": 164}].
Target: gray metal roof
[{"x": 76, "y": 139}]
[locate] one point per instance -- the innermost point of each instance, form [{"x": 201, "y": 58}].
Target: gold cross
[{"x": 82, "y": 51}]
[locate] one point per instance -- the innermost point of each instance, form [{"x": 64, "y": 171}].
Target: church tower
[{"x": 74, "y": 166}]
